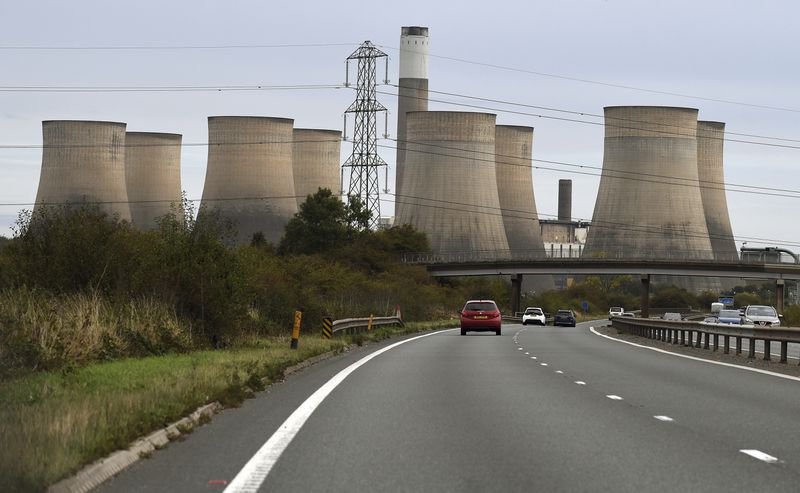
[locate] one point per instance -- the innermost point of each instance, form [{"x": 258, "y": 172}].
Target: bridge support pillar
[
  {"x": 779, "y": 295},
  {"x": 645, "y": 296},
  {"x": 516, "y": 292}
]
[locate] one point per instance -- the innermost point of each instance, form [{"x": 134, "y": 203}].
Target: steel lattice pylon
[{"x": 364, "y": 161}]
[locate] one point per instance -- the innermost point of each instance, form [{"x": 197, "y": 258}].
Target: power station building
[
  {"x": 513, "y": 152},
  {"x": 249, "y": 177},
  {"x": 412, "y": 96},
  {"x": 649, "y": 202},
  {"x": 84, "y": 162},
  {"x": 153, "y": 177},
  {"x": 315, "y": 157},
  {"x": 451, "y": 183}
]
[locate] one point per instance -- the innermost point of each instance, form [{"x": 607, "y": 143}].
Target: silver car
[{"x": 761, "y": 315}]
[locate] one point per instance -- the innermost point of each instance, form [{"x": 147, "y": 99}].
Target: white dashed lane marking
[
  {"x": 614, "y": 397},
  {"x": 760, "y": 455},
  {"x": 580, "y": 382},
  {"x": 559, "y": 372},
  {"x": 533, "y": 357},
  {"x": 543, "y": 364},
  {"x": 663, "y": 418},
  {"x": 526, "y": 352}
]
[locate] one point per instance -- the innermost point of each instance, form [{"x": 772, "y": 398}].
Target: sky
[{"x": 736, "y": 61}]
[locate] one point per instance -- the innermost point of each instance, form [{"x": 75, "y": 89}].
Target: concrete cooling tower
[
  {"x": 450, "y": 182},
  {"x": 153, "y": 177},
  {"x": 710, "y": 140},
  {"x": 84, "y": 162},
  {"x": 710, "y": 143},
  {"x": 649, "y": 202},
  {"x": 412, "y": 93},
  {"x": 513, "y": 148},
  {"x": 316, "y": 155},
  {"x": 249, "y": 177}
]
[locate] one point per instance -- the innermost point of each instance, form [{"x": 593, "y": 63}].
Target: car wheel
[
  {"x": 463, "y": 332},
  {"x": 573, "y": 324},
  {"x": 497, "y": 332},
  {"x": 524, "y": 323}
]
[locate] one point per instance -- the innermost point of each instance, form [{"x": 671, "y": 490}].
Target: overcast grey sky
[{"x": 743, "y": 52}]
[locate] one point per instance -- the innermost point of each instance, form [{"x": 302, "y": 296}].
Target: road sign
[
  {"x": 585, "y": 306},
  {"x": 726, "y": 301},
  {"x": 327, "y": 327}
]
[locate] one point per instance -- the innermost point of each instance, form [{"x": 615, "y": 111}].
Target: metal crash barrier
[{"x": 707, "y": 336}]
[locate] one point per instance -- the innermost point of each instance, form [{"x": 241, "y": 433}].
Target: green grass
[{"x": 53, "y": 423}]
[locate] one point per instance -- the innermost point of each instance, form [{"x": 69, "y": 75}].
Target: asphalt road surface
[{"x": 536, "y": 409}]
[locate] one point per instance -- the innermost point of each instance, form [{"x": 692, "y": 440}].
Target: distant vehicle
[
  {"x": 480, "y": 315},
  {"x": 565, "y": 317},
  {"x": 761, "y": 315},
  {"x": 710, "y": 320},
  {"x": 615, "y": 311},
  {"x": 672, "y": 316},
  {"x": 716, "y": 307},
  {"x": 730, "y": 317},
  {"x": 628, "y": 314},
  {"x": 533, "y": 315}
]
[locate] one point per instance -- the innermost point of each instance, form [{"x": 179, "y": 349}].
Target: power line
[
  {"x": 102, "y": 89},
  {"x": 168, "y": 47},
  {"x": 573, "y": 120},
  {"x": 489, "y": 159},
  {"x": 609, "y": 84}
]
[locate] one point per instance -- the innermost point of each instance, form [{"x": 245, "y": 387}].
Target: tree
[{"x": 323, "y": 224}]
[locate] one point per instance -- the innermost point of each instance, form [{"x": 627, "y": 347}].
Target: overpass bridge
[{"x": 643, "y": 264}]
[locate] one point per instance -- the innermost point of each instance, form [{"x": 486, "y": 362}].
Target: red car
[{"x": 480, "y": 315}]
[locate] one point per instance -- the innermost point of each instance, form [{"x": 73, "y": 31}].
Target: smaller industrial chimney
[{"x": 565, "y": 200}]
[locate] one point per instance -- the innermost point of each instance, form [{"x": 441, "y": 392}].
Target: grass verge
[{"x": 54, "y": 423}]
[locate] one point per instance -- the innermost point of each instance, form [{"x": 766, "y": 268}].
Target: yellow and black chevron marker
[{"x": 327, "y": 327}]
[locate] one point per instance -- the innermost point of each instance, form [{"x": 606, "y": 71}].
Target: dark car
[
  {"x": 480, "y": 315},
  {"x": 565, "y": 317}
]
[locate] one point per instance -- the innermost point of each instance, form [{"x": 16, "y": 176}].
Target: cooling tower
[
  {"x": 710, "y": 143},
  {"x": 316, "y": 155},
  {"x": 513, "y": 147},
  {"x": 153, "y": 177},
  {"x": 565, "y": 200},
  {"x": 84, "y": 161},
  {"x": 249, "y": 177},
  {"x": 710, "y": 140},
  {"x": 649, "y": 203},
  {"x": 412, "y": 94},
  {"x": 450, "y": 182}
]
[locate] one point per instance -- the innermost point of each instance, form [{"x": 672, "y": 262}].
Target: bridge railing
[
  {"x": 707, "y": 336},
  {"x": 541, "y": 254}
]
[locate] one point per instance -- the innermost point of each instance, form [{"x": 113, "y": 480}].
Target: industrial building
[
  {"x": 153, "y": 177},
  {"x": 412, "y": 96},
  {"x": 84, "y": 162},
  {"x": 513, "y": 151},
  {"x": 450, "y": 182},
  {"x": 649, "y": 202},
  {"x": 249, "y": 178},
  {"x": 315, "y": 158}
]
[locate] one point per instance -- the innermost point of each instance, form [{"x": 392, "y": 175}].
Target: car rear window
[
  {"x": 480, "y": 306},
  {"x": 533, "y": 310},
  {"x": 564, "y": 312},
  {"x": 729, "y": 313}
]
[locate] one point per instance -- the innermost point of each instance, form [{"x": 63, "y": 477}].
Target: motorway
[{"x": 537, "y": 409}]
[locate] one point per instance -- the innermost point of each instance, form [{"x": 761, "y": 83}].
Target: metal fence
[
  {"x": 355, "y": 325},
  {"x": 709, "y": 336}
]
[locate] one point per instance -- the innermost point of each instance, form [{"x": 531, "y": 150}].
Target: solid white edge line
[
  {"x": 756, "y": 370},
  {"x": 760, "y": 455},
  {"x": 253, "y": 474}
]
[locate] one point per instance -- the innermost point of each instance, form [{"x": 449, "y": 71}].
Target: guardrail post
[
  {"x": 738, "y": 345},
  {"x": 784, "y": 351},
  {"x": 645, "y": 300},
  {"x": 751, "y": 353},
  {"x": 705, "y": 343},
  {"x": 727, "y": 341},
  {"x": 298, "y": 315},
  {"x": 767, "y": 350},
  {"x": 688, "y": 342},
  {"x": 716, "y": 342},
  {"x": 699, "y": 339},
  {"x": 369, "y": 324}
]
